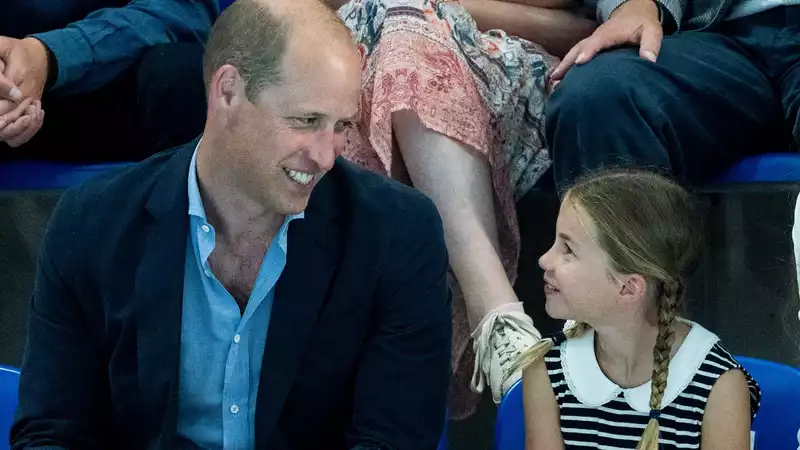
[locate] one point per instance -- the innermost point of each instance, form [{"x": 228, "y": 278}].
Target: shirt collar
[
  {"x": 593, "y": 388},
  {"x": 196, "y": 201}
]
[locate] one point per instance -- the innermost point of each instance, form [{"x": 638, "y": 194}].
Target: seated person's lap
[{"x": 706, "y": 102}]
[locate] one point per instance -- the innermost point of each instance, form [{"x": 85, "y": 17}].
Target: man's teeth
[{"x": 299, "y": 177}]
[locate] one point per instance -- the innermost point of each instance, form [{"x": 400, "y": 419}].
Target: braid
[
  {"x": 541, "y": 348},
  {"x": 671, "y": 294}
]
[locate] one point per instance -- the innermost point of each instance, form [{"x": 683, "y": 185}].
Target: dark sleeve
[
  {"x": 403, "y": 378},
  {"x": 63, "y": 388},
  {"x": 93, "y": 51}
]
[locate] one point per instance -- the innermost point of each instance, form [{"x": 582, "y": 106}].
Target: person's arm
[
  {"x": 542, "y": 416},
  {"x": 726, "y": 420},
  {"x": 557, "y": 30},
  {"x": 404, "y": 374},
  {"x": 63, "y": 391},
  {"x": 91, "y": 52}
]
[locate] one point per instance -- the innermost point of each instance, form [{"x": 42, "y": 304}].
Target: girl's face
[{"x": 579, "y": 281}]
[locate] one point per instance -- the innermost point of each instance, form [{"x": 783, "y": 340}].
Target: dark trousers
[
  {"x": 156, "y": 104},
  {"x": 713, "y": 97}
]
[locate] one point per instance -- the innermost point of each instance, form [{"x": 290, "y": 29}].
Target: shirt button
[
  {"x": 205, "y": 228},
  {"x": 234, "y": 409},
  {"x": 237, "y": 338}
]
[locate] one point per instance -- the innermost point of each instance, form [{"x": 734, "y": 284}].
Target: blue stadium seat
[
  {"x": 9, "y": 382},
  {"x": 30, "y": 175},
  {"x": 509, "y": 429},
  {"x": 766, "y": 168},
  {"x": 777, "y": 425}
]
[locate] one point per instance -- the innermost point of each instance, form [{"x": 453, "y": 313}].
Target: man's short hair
[{"x": 249, "y": 37}]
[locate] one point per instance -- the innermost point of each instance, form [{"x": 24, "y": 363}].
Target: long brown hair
[{"x": 647, "y": 225}]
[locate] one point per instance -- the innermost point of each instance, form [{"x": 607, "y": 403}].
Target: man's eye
[{"x": 305, "y": 121}]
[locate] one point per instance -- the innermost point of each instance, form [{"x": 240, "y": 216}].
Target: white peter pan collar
[{"x": 593, "y": 388}]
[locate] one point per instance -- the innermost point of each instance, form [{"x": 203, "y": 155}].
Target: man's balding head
[
  {"x": 254, "y": 35},
  {"x": 283, "y": 81}
]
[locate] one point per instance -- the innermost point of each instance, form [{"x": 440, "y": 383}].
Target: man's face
[{"x": 289, "y": 137}]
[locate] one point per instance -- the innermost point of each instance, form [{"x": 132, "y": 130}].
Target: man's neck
[{"x": 237, "y": 217}]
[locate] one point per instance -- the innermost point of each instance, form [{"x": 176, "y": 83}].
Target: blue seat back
[
  {"x": 41, "y": 175},
  {"x": 9, "y": 383},
  {"x": 766, "y": 168},
  {"x": 777, "y": 424},
  {"x": 509, "y": 430}
]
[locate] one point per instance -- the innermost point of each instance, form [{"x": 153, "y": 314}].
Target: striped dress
[{"x": 596, "y": 413}]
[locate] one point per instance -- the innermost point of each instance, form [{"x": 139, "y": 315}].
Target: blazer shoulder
[
  {"x": 107, "y": 197},
  {"x": 388, "y": 201}
]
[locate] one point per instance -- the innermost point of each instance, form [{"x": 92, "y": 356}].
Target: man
[
  {"x": 250, "y": 290},
  {"x": 118, "y": 79},
  {"x": 726, "y": 83}
]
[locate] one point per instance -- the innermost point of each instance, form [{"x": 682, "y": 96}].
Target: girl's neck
[{"x": 625, "y": 352}]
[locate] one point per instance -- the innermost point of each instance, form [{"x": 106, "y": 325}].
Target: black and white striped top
[{"x": 596, "y": 413}]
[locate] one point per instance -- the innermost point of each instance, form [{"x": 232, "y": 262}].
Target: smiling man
[{"x": 249, "y": 290}]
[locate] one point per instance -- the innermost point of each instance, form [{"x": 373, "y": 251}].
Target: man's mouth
[
  {"x": 301, "y": 178},
  {"x": 550, "y": 289}
]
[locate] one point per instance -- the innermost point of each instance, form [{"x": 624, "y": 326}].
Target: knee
[{"x": 600, "y": 90}]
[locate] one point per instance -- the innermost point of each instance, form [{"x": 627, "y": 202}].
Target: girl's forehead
[{"x": 576, "y": 222}]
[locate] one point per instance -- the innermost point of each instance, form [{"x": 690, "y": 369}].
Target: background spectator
[{"x": 119, "y": 80}]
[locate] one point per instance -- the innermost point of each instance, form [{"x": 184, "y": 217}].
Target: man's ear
[{"x": 227, "y": 89}]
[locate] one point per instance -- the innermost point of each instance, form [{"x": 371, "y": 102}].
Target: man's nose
[{"x": 324, "y": 150}]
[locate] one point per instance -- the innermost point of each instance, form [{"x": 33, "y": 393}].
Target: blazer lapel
[
  {"x": 313, "y": 256},
  {"x": 159, "y": 296}
]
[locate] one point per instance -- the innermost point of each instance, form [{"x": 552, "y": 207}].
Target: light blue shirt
[
  {"x": 744, "y": 8},
  {"x": 222, "y": 349}
]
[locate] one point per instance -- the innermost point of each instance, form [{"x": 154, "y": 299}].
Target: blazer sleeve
[
  {"x": 403, "y": 379},
  {"x": 63, "y": 388}
]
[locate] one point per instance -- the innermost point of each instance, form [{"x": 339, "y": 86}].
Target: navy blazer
[{"x": 358, "y": 349}]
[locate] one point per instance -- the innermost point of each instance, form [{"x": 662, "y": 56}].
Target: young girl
[{"x": 627, "y": 372}]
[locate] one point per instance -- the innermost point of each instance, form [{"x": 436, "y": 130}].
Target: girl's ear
[{"x": 633, "y": 288}]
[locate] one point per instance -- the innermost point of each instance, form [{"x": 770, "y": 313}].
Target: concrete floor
[{"x": 745, "y": 289}]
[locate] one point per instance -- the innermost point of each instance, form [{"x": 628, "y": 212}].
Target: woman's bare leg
[{"x": 459, "y": 182}]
